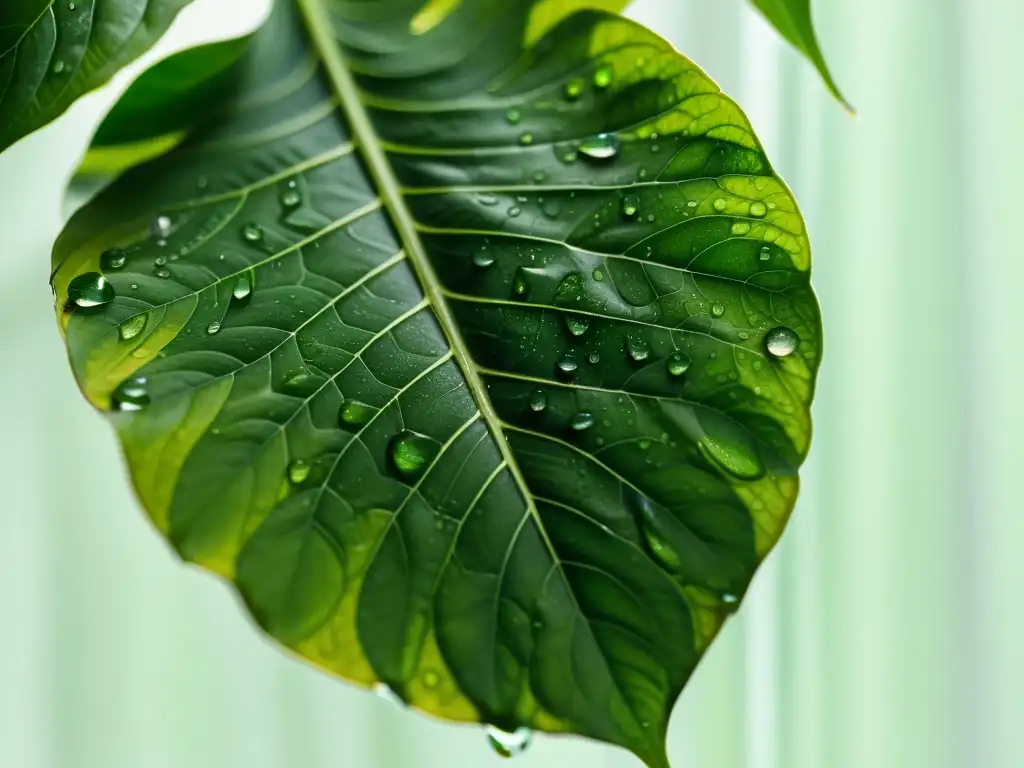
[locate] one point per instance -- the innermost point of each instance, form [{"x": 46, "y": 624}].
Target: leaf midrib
[{"x": 365, "y": 138}]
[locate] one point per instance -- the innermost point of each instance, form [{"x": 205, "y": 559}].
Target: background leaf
[
  {"x": 793, "y": 20},
  {"x": 53, "y": 52},
  {"x": 500, "y": 410}
]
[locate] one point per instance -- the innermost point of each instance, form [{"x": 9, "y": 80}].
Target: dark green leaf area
[{"x": 482, "y": 367}]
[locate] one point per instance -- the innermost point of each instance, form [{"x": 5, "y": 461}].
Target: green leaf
[
  {"x": 482, "y": 367},
  {"x": 52, "y": 52},
  {"x": 793, "y": 20}
]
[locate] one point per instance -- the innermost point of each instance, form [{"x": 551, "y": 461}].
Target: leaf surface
[
  {"x": 52, "y": 52},
  {"x": 452, "y": 348}
]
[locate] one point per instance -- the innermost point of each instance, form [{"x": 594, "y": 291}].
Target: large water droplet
[
  {"x": 131, "y": 395},
  {"x": 538, "y": 400},
  {"x": 90, "y": 289},
  {"x": 577, "y": 324},
  {"x": 509, "y": 744},
  {"x": 719, "y": 204},
  {"x": 252, "y": 232},
  {"x": 354, "y": 414},
  {"x": 411, "y": 453},
  {"x": 582, "y": 421},
  {"x": 604, "y": 146},
  {"x": 781, "y": 341},
  {"x": 242, "y": 288},
  {"x": 717, "y": 310},
  {"x": 213, "y": 327},
  {"x": 132, "y": 327},
  {"x": 568, "y": 364},
  {"x": 758, "y": 209},
  {"x": 113, "y": 258},
  {"x": 678, "y": 363},
  {"x": 637, "y": 348},
  {"x": 160, "y": 227},
  {"x": 603, "y": 76}
]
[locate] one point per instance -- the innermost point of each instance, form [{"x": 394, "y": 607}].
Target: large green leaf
[
  {"x": 474, "y": 343},
  {"x": 54, "y": 51},
  {"x": 793, "y": 20}
]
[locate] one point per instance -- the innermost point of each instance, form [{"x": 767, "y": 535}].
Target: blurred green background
[{"x": 887, "y": 630}]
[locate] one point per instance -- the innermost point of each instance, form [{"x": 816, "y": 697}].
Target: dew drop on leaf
[
  {"x": 567, "y": 363},
  {"x": 604, "y": 146},
  {"x": 717, "y": 310},
  {"x": 113, "y": 258},
  {"x": 483, "y": 258},
  {"x": 765, "y": 254},
  {"x": 242, "y": 288},
  {"x": 411, "y": 453},
  {"x": 90, "y": 289},
  {"x": 758, "y": 209},
  {"x": 131, "y": 394},
  {"x": 603, "y": 76},
  {"x": 509, "y": 744},
  {"x": 163, "y": 274},
  {"x": 58, "y": 67},
  {"x": 598, "y": 275},
  {"x": 733, "y": 451},
  {"x": 538, "y": 400},
  {"x": 213, "y": 327},
  {"x": 719, "y": 204},
  {"x": 678, "y": 363},
  {"x": 513, "y": 115},
  {"x": 519, "y": 285},
  {"x": 637, "y": 348},
  {"x": 577, "y": 324},
  {"x": 252, "y": 233},
  {"x": 582, "y": 421},
  {"x": 526, "y": 139},
  {"x": 354, "y": 414},
  {"x": 160, "y": 227},
  {"x": 781, "y": 341},
  {"x": 298, "y": 472},
  {"x": 663, "y": 552},
  {"x": 630, "y": 204},
  {"x": 132, "y": 327},
  {"x": 290, "y": 199},
  {"x": 573, "y": 90}
]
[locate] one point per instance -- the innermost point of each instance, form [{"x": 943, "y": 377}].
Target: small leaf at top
[{"x": 479, "y": 363}]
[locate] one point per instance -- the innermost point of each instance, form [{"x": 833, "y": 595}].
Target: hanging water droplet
[
  {"x": 242, "y": 288},
  {"x": 781, "y": 341},
  {"x": 90, "y": 289},
  {"x": 354, "y": 414},
  {"x": 526, "y": 139},
  {"x": 513, "y": 115},
  {"x": 637, "y": 348},
  {"x": 582, "y": 421},
  {"x": 538, "y": 400},
  {"x": 483, "y": 258},
  {"x": 160, "y": 227},
  {"x": 290, "y": 199},
  {"x": 509, "y": 744},
  {"x": 717, "y": 310},
  {"x": 131, "y": 395},
  {"x": 577, "y": 324},
  {"x": 758, "y": 209},
  {"x": 630, "y": 204},
  {"x": 213, "y": 327},
  {"x": 604, "y": 146},
  {"x": 573, "y": 90},
  {"x": 678, "y": 363},
  {"x": 298, "y": 472},
  {"x": 113, "y": 258},
  {"x": 603, "y": 76},
  {"x": 132, "y": 327},
  {"x": 252, "y": 232},
  {"x": 411, "y": 453},
  {"x": 519, "y": 285},
  {"x": 567, "y": 363}
]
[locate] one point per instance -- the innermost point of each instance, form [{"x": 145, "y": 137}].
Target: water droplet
[
  {"x": 411, "y": 453},
  {"x": 513, "y": 115},
  {"x": 603, "y": 76},
  {"x": 160, "y": 261},
  {"x": 740, "y": 228},
  {"x": 758, "y": 209},
  {"x": 90, "y": 289},
  {"x": 729, "y": 599},
  {"x": 114, "y": 258},
  {"x": 509, "y": 744},
  {"x": 430, "y": 678},
  {"x": 242, "y": 288},
  {"x": 252, "y": 232},
  {"x": 163, "y": 274},
  {"x": 514, "y": 211},
  {"x": 604, "y": 146},
  {"x": 58, "y": 67},
  {"x": 160, "y": 227},
  {"x": 637, "y": 348},
  {"x": 567, "y": 364},
  {"x": 781, "y": 341},
  {"x": 662, "y": 550},
  {"x": 526, "y": 139},
  {"x": 483, "y": 258},
  {"x": 298, "y": 472},
  {"x": 630, "y": 204},
  {"x": 538, "y": 400},
  {"x": 570, "y": 157},
  {"x": 213, "y": 327},
  {"x": 573, "y": 90},
  {"x": 717, "y": 310},
  {"x": 678, "y": 363},
  {"x": 594, "y": 357},
  {"x": 577, "y": 324},
  {"x": 582, "y": 421},
  {"x": 354, "y": 414},
  {"x": 131, "y": 395},
  {"x": 765, "y": 254},
  {"x": 290, "y": 199},
  {"x": 132, "y": 327},
  {"x": 598, "y": 275},
  {"x": 519, "y": 284}
]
